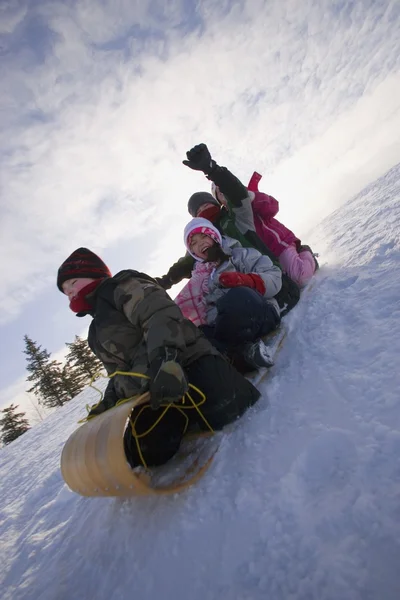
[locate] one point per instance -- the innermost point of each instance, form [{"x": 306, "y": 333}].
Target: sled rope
[{"x": 194, "y": 405}]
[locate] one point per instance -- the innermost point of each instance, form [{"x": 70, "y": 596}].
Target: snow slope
[{"x": 303, "y": 499}]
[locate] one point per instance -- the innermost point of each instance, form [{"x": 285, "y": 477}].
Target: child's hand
[
  {"x": 235, "y": 279},
  {"x": 168, "y": 381},
  {"x": 199, "y": 159}
]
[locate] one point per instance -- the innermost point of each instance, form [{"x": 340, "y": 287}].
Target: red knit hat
[{"x": 82, "y": 263}]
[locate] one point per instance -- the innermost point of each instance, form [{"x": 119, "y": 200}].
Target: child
[
  {"x": 231, "y": 293},
  {"x": 137, "y": 328},
  {"x": 296, "y": 260},
  {"x": 233, "y": 219}
]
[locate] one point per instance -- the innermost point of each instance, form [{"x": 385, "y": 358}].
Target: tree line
[{"x": 53, "y": 383}]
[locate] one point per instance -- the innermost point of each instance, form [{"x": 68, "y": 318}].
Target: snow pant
[
  {"x": 300, "y": 266},
  {"x": 228, "y": 394},
  {"x": 243, "y": 316}
]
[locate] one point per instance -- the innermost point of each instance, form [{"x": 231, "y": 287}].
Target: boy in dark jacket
[
  {"x": 234, "y": 220},
  {"x": 137, "y": 328}
]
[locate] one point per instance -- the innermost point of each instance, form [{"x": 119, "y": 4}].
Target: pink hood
[{"x": 273, "y": 233}]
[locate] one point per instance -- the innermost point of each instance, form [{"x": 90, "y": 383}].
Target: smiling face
[
  {"x": 199, "y": 243},
  {"x": 72, "y": 286}
]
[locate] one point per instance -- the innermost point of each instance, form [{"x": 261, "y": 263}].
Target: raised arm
[{"x": 236, "y": 194}]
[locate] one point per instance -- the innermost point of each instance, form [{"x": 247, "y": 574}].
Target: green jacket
[{"x": 133, "y": 320}]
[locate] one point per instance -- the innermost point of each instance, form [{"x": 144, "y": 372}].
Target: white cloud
[
  {"x": 358, "y": 147},
  {"x": 12, "y": 12}
]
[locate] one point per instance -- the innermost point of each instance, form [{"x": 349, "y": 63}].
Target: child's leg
[
  {"x": 161, "y": 443},
  {"x": 209, "y": 332},
  {"x": 299, "y": 267},
  {"x": 244, "y": 316},
  {"x": 228, "y": 393}
]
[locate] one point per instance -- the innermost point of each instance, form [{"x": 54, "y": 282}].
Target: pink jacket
[{"x": 275, "y": 236}]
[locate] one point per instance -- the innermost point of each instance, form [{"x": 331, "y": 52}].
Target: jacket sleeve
[
  {"x": 237, "y": 196},
  {"x": 147, "y": 306},
  {"x": 232, "y": 188},
  {"x": 265, "y": 206},
  {"x": 249, "y": 260},
  {"x": 182, "y": 269}
]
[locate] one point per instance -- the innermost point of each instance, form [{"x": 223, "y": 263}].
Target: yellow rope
[
  {"x": 122, "y": 401},
  {"x": 195, "y": 405},
  {"x": 137, "y": 436}
]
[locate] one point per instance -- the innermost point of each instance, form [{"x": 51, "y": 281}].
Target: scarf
[{"x": 79, "y": 303}]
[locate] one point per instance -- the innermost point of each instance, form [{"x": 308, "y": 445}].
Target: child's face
[
  {"x": 72, "y": 286},
  {"x": 199, "y": 244}
]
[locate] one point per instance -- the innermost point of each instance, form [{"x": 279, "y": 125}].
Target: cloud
[
  {"x": 12, "y": 14},
  {"x": 116, "y": 92},
  {"x": 355, "y": 149}
]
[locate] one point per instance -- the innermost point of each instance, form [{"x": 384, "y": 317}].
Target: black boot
[{"x": 257, "y": 355}]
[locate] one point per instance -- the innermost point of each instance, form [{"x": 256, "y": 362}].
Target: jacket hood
[{"x": 200, "y": 225}]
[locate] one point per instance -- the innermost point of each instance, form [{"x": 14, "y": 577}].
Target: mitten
[
  {"x": 164, "y": 281},
  {"x": 235, "y": 279},
  {"x": 199, "y": 159},
  {"x": 168, "y": 381}
]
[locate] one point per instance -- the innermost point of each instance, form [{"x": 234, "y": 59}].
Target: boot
[{"x": 257, "y": 355}]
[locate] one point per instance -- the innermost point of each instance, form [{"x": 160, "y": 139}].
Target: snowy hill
[{"x": 302, "y": 501}]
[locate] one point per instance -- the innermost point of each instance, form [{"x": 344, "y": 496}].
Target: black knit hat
[
  {"x": 82, "y": 263},
  {"x": 198, "y": 199}
]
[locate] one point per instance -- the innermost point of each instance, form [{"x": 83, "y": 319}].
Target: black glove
[
  {"x": 164, "y": 281},
  {"x": 199, "y": 159},
  {"x": 109, "y": 400},
  {"x": 168, "y": 381}
]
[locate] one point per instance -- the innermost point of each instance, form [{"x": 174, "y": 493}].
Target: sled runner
[{"x": 93, "y": 461}]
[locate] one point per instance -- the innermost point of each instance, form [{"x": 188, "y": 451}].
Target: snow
[{"x": 301, "y": 502}]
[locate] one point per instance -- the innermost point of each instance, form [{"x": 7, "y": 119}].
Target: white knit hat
[{"x": 200, "y": 225}]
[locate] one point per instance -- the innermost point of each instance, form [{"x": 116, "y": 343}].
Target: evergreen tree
[
  {"x": 12, "y": 424},
  {"x": 72, "y": 381},
  {"x": 46, "y": 374},
  {"x": 82, "y": 359}
]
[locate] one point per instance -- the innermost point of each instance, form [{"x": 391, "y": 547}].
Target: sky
[{"x": 100, "y": 101}]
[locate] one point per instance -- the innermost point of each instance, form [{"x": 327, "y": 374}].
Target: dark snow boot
[{"x": 257, "y": 355}]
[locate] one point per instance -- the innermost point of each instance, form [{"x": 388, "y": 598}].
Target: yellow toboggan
[{"x": 93, "y": 461}]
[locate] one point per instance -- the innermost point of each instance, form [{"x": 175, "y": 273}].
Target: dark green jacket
[{"x": 133, "y": 320}]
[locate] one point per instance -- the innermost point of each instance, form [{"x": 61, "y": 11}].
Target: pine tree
[
  {"x": 82, "y": 359},
  {"x": 49, "y": 386},
  {"x": 12, "y": 424},
  {"x": 72, "y": 381}
]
